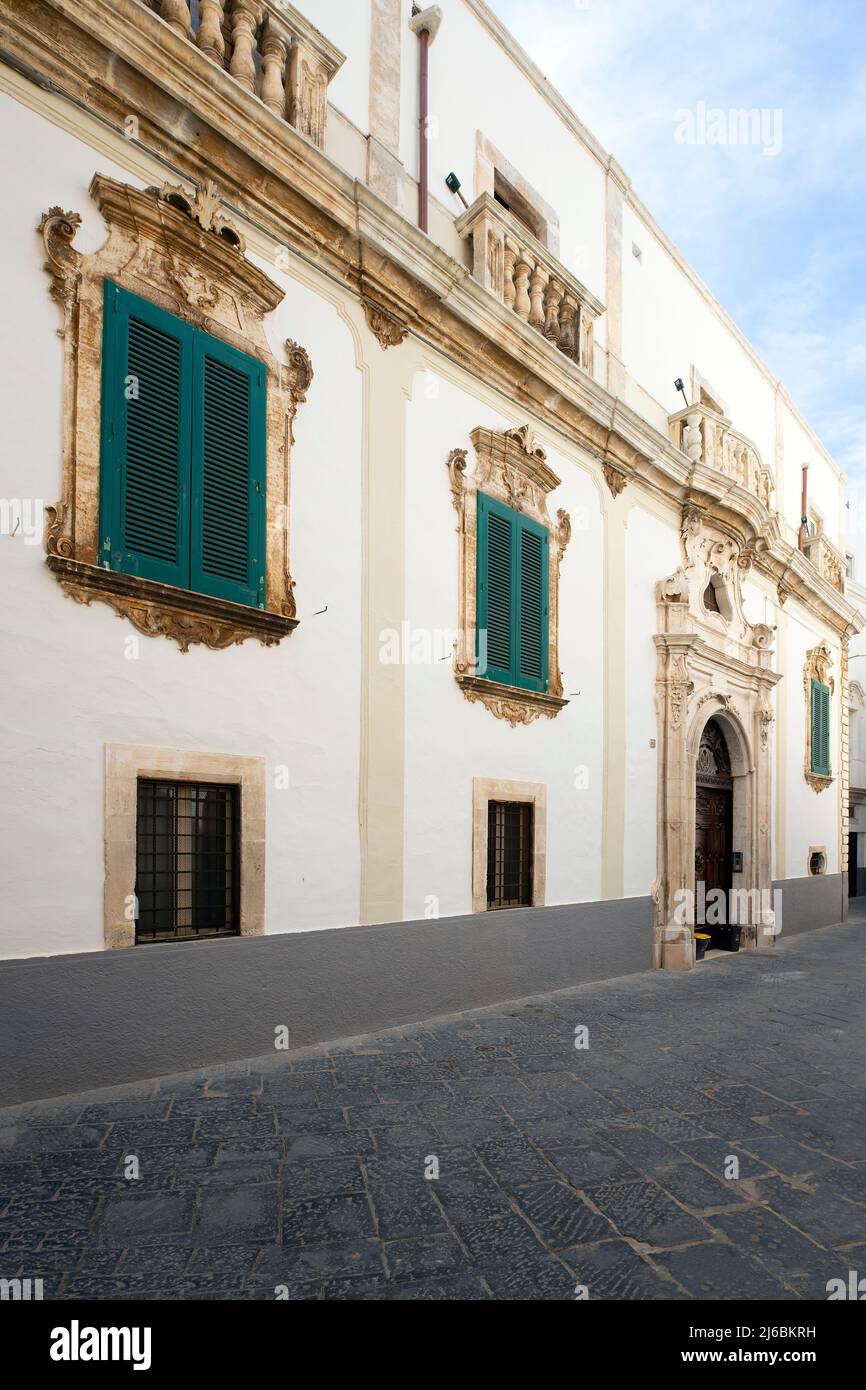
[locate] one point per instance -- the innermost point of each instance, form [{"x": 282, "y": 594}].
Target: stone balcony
[
  {"x": 267, "y": 47},
  {"x": 828, "y": 561},
  {"x": 523, "y": 275},
  {"x": 707, "y": 438}
]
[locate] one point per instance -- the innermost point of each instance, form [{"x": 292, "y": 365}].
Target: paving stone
[
  {"x": 513, "y": 1162},
  {"x": 458, "y": 1289},
  {"x": 501, "y": 1241},
  {"x": 715, "y": 1271},
  {"x": 422, "y": 1257},
  {"x": 587, "y": 1165},
  {"x": 315, "y": 1220},
  {"x": 714, "y": 1154},
  {"x": 406, "y": 1208},
  {"x": 771, "y": 1241},
  {"x": 821, "y": 1214},
  {"x": 529, "y": 1278},
  {"x": 698, "y": 1189},
  {"x": 237, "y": 1214},
  {"x": 644, "y": 1212},
  {"x": 643, "y": 1148},
  {"x": 615, "y": 1271},
  {"x": 787, "y": 1156},
  {"x": 561, "y": 1215},
  {"x": 335, "y": 1144},
  {"x": 318, "y": 1179},
  {"x": 143, "y": 1219},
  {"x": 333, "y": 1259}
]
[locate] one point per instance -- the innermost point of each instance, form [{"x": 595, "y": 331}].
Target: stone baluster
[
  {"x": 177, "y": 17},
  {"x": 692, "y": 444},
  {"x": 568, "y": 324},
  {"x": 522, "y": 272},
  {"x": 245, "y": 18},
  {"x": 586, "y": 358},
  {"x": 275, "y": 51},
  {"x": 552, "y": 301},
  {"x": 210, "y": 30},
  {"x": 537, "y": 286},
  {"x": 512, "y": 251}
]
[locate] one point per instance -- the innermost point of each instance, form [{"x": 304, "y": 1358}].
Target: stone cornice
[
  {"x": 354, "y": 237},
  {"x": 712, "y": 659}
]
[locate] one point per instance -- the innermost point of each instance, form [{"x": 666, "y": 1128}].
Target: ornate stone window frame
[
  {"x": 176, "y": 248},
  {"x": 124, "y": 764},
  {"x": 510, "y": 466},
  {"x": 486, "y": 789},
  {"x": 818, "y": 662}
]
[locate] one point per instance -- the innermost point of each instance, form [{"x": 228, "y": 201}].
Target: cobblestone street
[{"x": 557, "y": 1167}]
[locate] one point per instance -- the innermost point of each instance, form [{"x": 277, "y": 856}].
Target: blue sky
[{"x": 780, "y": 239}]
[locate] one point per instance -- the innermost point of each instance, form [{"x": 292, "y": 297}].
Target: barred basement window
[
  {"x": 186, "y": 861},
  {"x": 509, "y": 853}
]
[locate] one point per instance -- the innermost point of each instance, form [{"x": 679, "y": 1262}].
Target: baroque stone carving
[
  {"x": 57, "y": 229},
  {"x": 818, "y": 662},
  {"x": 674, "y": 589},
  {"x": 158, "y": 611},
  {"x": 389, "y": 330},
  {"x": 615, "y": 479},
  {"x": 175, "y": 248},
  {"x": 204, "y": 206},
  {"x": 512, "y": 467}
]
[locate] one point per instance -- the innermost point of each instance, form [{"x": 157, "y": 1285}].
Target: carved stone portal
[
  {"x": 175, "y": 248},
  {"x": 712, "y": 665},
  {"x": 510, "y": 466}
]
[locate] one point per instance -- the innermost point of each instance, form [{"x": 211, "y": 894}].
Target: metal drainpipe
[
  {"x": 422, "y": 132},
  {"x": 804, "y": 504}
]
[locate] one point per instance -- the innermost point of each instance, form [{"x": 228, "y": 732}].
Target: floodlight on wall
[
  {"x": 452, "y": 183},
  {"x": 678, "y": 386}
]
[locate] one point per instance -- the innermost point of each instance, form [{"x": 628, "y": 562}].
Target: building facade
[{"x": 386, "y": 633}]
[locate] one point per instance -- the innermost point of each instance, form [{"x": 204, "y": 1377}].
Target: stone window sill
[
  {"x": 510, "y": 701},
  {"x": 161, "y": 610},
  {"x": 817, "y": 781}
]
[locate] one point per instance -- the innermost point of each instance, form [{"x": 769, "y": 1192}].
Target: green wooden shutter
[
  {"x": 144, "y": 468},
  {"x": 496, "y": 584},
  {"x": 820, "y": 731},
  {"x": 512, "y": 596},
  {"x": 532, "y": 607},
  {"x": 228, "y": 473}
]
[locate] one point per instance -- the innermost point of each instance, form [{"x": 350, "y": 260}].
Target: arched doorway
[{"x": 714, "y": 803}]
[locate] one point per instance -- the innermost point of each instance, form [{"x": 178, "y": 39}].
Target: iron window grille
[
  {"x": 510, "y": 827},
  {"x": 187, "y": 860}
]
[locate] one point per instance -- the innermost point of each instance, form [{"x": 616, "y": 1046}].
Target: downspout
[
  {"x": 422, "y": 130},
  {"x": 804, "y": 507},
  {"x": 425, "y": 23}
]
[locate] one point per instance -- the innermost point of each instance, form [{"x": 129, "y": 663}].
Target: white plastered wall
[
  {"x": 71, "y": 680},
  {"x": 448, "y": 740}
]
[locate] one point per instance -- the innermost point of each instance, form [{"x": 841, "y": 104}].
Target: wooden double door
[
  {"x": 714, "y": 796},
  {"x": 713, "y": 837}
]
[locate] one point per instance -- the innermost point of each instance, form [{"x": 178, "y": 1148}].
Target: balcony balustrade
[
  {"x": 523, "y": 275},
  {"x": 828, "y": 561},
  {"x": 269, "y": 49},
  {"x": 708, "y": 438}
]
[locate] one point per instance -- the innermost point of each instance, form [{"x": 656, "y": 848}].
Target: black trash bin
[{"x": 727, "y": 938}]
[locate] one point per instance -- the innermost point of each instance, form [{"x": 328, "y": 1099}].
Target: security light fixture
[
  {"x": 678, "y": 386},
  {"x": 452, "y": 183}
]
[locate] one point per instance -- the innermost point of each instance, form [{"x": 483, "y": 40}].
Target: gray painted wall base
[
  {"x": 73, "y": 1023},
  {"x": 809, "y": 903}
]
